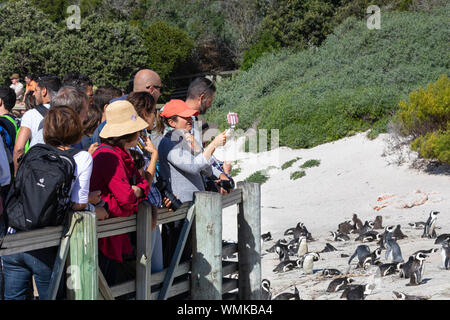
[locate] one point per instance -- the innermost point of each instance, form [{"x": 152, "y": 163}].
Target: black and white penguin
[
  {"x": 442, "y": 238},
  {"x": 386, "y": 269},
  {"x": 266, "y": 236},
  {"x": 357, "y": 291},
  {"x": 280, "y": 242},
  {"x": 339, "y": 284},
  {"x": 288, "y": 295},
  {"x": 417, "y": 269},
  {"x": 430, "y": 226},
  {"x": 445, "y": 254},
  {"x": 337, "y": 236},
  {"x": 392, "y": 249},
  {"x": 345, "y": 227},
  {"x": 369, "y": 236},
  {"x": 328, "y": 248},
  {"x": 418, "y": 225},
  {"x": 398, "y": 234},
  {"x": 378, "y": 223},
  {"x": 308, "y": 262},
  {"x": 402, "y": 296},
  {"x": 288, "y": 265},
  {"x": 329, "y": 273},
  {"x": 405, "y": 268},
  {"x": 361, "y": 251},
  {"x": 429, "y": 251},
  {"x": 290, "y": 231},
  {"x": 282, "y": 253},
  {"x": 266, "y": 294},
  {"x": 302, "y": 246}
]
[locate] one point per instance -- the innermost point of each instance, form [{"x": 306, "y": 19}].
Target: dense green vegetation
[
  {"x": 259, "y": 177},
  {"x": 426, "y": 117},
  {"x": 351, "y": 83},
  {"x": 289, "y": 163},
  {"x": 297, "y": 174},
  {"x": 310, "y": 163}
]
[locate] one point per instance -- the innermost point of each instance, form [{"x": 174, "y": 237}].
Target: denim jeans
[
  {"x": 19, "y": 269},
  {"x": 157, "y": 253}
]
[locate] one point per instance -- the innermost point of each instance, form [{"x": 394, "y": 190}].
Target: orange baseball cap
[{"x": 176, "y": 107}]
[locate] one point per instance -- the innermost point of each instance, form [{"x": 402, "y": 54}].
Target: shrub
[
  {"x": 235, "y": 172},
  {"x": 258, "y": 177},
  {"x": 289, "y": 163},
  {"x": 320, "y": 94},
  {"x": 266, "y": 43},
  {"x": 310, "y": 164},
  {"x": 297, "y": 174},
  {"x": 434, "y": 145}
]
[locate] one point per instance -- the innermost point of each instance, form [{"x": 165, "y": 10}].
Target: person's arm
[
  {"x": 154, "y": 159},
  {"x": 19, "y": 148}
]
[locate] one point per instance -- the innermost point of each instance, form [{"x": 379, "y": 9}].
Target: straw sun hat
[{"x": 121, "y": 119}]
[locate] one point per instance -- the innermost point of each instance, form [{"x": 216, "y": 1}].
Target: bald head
[{"x": 147, "y": 80}]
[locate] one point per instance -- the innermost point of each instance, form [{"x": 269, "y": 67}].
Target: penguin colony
[{"x": 295, "y": 254}]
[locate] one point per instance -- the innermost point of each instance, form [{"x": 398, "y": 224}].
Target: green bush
[
  {"x": 297, "y": 174},
  {"x": 310, "y": 163},
  {"x": 235, "y": 172},
  {"x": 258, "y": 177},
  {"x": 426, "y": 117},
  {"x": 352, "y": 82},
  {"x": 267, "y": 43},
  {"x": 289, "y": 163}
]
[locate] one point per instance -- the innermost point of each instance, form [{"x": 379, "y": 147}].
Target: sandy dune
[{"x": 354, "y": 176}]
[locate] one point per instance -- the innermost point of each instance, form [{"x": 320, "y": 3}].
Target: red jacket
[{"x": 113, "y": 173}]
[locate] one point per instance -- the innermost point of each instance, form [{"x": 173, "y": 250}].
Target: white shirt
[
  {"x": 5, "y": 173},
  {"x": 32, "y": 119},
  {"x": 79, "y": 192},
  {"x": 18, "y": 89}
]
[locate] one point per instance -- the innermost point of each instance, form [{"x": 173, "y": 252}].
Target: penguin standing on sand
[
  {"x": 430, "y": 227},
  {"x": 266, "y": 294},
  {"x": 378, "y": 222},
  {"x": 339, "y": 284},
  {"x": 398, "y": 234},
  {"x": 308, "y": 262},
  {"x": 445, "y": 254},
  {"x": 392, "y": 248},
  {"x": 302, "y": 246},
  {"x": 357, "y": 224},
  {"x": 361, "y": 251},
  {"x": 417, "y": 269}
]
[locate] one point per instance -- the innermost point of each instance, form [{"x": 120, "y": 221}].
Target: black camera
[
  {"x": 228, "y": 185},
  {"x": 165, "y": 192}
]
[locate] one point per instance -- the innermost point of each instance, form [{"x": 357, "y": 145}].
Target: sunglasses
[{"x": 160, "y": 88}]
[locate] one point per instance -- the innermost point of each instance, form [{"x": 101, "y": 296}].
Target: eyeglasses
[{"x": 160, "y": 88}]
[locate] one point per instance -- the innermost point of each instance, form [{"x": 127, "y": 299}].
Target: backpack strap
[{"x": 43, "y": 111}]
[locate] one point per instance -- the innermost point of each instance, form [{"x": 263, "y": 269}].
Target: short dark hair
[
  {"x": 8, "y": 97},
  {"x": 29, "y": 76},
  {"x": 51, "y": 83},
  {"x": 138, "y": 159},
  {"x": 30, "y": 100},
  {"x": 104, "y": 94},
  {"x": 119, "y": 141},
  {"x": 93, "y": 119},
  {"x": 77, "y": 80},
  {"x": 143, "y": 102},
  {"x": 71, "y": 97},
  {"x": 199, "y": 86},
  {"x": 62, "y": 127}
]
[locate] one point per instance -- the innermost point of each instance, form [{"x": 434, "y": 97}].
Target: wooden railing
[{"x": 208, "y": 272}]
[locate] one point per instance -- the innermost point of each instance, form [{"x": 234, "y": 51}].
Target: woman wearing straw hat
[
  {"x": 182, "y": 164},
  {"x": 115, "y": 175}
]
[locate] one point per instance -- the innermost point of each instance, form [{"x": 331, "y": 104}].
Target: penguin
[
  {"x": 429, "y": 251},
  {"x": 266, "y": 236},
  {"x": 417, "y": 269},
  {"x": 328, "y": 248},
  {"x": 302, "y": 246},
  {"x": 308, "y": 262},
  {"x": 337, "y": 236},
  {"x": 282, "y": 253},
  {"x": 303, "y": 232},
  {"x": 398, "y": 234},
  {"x": 287, "y": 265},
  {"x": 392, "y": 248},
  {"x": 266, "y": 294},
  {"x": 445, "y": 254},
  {"x": 357, "y": 291},
  {"x": 405, "y": 268},
  {"x": 442, "y": 238},
  {"x": 345, "y": 227},
  {"x": 365, "y": 228},
  {"x": 328, "y": 273},
  {"x": 365, "y": 263},
  {"x": 402, "y": 296},
  {"x": 339, "y": 284},
  {"x": 361, "y": 251},
  {"x": 357, "y": 224},
  {"x": 288, "y": 295},
  {"x": 378, "y": 223},
  {"x": 386, "y": 269},
  {"x": 418, "y": 225},
  {"x": 280, "y": 242},
  {"x": 369, "y": 236},
  {"x": 387, "y": 230},
  {"x": 430, "y": 226}
]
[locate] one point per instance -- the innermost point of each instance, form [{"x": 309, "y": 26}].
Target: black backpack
[{"x": 40, "y": 194}]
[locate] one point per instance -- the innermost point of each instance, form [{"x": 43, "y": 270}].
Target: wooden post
[
  {"x": 143, "y": 251},
  {"x": 206, "y": 277},
  {"x": 83, "y": 279},
  {"x": 249, "y": 241}
]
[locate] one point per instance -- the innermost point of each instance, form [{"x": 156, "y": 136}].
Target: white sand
[{"x": 352, "y": 175}]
